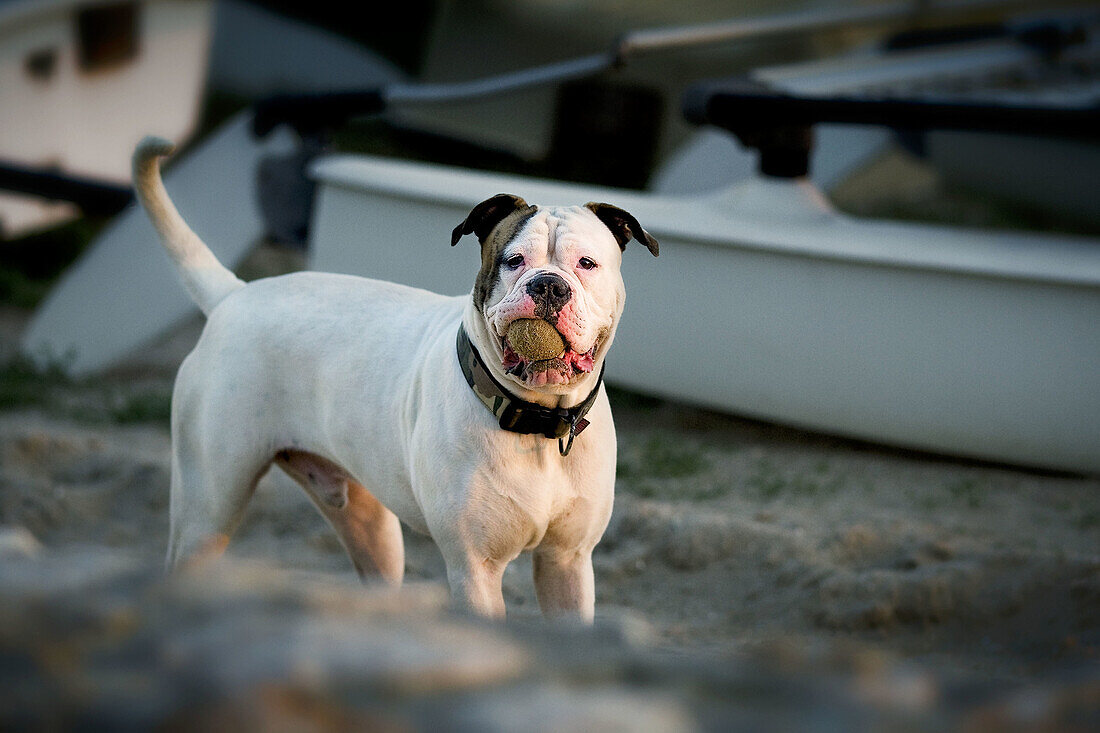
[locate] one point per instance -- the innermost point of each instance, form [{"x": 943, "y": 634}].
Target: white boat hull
[
  {"x": 768, "y": 304},
  {"x": 85, "y": 122},
  {"x": 123, "y": 291}
]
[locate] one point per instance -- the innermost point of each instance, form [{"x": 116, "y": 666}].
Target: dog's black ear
[
  {"x": 487, "y": 215},
  {"x": 623, "y": 225}
]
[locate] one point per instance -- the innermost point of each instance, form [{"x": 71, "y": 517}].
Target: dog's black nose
[{"x": 550, "y": 291}]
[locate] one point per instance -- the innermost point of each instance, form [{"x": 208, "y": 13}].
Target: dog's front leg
[
  {"x": 478, "y": 530},
  {"x": 564, "y": 583},
  {"x": 476, "y": 584}
]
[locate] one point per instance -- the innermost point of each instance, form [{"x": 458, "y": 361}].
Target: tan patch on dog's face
[{"x": 492, "y": 252}]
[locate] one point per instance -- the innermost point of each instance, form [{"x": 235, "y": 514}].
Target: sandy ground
[{"x": 727, "y": 534}]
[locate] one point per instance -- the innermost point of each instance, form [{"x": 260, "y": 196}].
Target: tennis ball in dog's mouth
[{"x": 535, "y": 339}]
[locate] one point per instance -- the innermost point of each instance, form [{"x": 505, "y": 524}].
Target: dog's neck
[
  {"x": 516, "y": 415},
  {"x": 552, "y": 396}
]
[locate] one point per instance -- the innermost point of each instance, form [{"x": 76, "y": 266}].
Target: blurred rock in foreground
[{"x": 93, "y": 639}]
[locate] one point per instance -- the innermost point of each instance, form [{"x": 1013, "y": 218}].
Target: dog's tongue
[
  {"x": 513, "y": 362},
  {"x": 583, "y": 362}
]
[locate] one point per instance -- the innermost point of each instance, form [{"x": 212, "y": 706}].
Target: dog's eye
[
  {"x": 513, "y": 262},
  {"x": 587, "y": 264}
]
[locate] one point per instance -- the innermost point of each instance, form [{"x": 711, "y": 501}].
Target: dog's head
[{"x": 558, "y": 264}]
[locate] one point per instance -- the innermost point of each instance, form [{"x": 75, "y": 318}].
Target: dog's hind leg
[
  {"x": 369, "y": 531},
  {"x": 208, "y": 497}
]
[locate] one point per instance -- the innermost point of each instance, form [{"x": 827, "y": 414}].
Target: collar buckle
[{"x": 520, "y": 417}]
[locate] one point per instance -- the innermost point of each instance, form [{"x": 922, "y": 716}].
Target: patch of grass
[
  {"x": 766, "y": 480},
  {"x": 1088, "y": 520},
  {"x": 147, "y": 407},
  {"x": 24, "y": 384},
  {"x": 1062, "y": 505},
  {"x": 662, "y": 457},
  {"x": 690, "y": 490},
  {"x": 929, "y": 502},
  {"x": 968, "y": 491},
  {"x": 769, "y": 481},
  {"x": 646, "y": 489},
  {"x": 665, "y": 467}
]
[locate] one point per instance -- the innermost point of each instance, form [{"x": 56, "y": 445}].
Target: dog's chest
[
  {"x": 532, "y": 462},
  {"x": 530, "y": 473}
]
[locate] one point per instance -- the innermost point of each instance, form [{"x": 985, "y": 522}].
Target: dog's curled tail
[{"x": 206, "y": 279}]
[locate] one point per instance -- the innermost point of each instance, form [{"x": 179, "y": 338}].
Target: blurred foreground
[
  {"x": 97, "y": 640},
  {"x": 752, "y": 578}
]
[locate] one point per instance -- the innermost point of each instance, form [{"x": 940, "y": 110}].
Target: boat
[
  {"x": 68, "y": 68},
  {"x": 767, "y": 302},
  {"x": 1027, "y": 59},
  {"x": 121, "y": 293}
]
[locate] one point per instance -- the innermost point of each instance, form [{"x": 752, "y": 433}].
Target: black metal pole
[{"x": 91, "y": 195}]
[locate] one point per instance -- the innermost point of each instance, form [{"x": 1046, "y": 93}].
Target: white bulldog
[{"x": 390, "y": 404}]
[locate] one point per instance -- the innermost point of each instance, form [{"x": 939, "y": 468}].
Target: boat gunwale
[{"x": 1077, "y": 265}]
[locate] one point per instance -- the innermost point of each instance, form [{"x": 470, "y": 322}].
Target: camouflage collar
[{"x": 520, "y": 416}]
